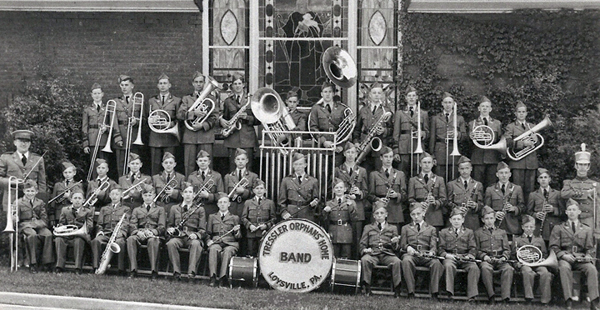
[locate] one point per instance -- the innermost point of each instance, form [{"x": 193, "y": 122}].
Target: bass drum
[
  {"x": 296, "y": 256},
  {"x": 346, "y": 272},
  {"x": 243, "y": 270}
]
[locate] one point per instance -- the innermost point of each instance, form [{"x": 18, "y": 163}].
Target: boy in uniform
[
  {"x": 75, "y": 214},
  {"x": 167, "y": 184},
  {"x": 485, "y": 161},
  {"x": 389, "y": 185},
  {"x": 103, "y": 197},
  {"x": 208, "y": 182},
  {"x": 109, "y": 216},
  {"x": 125, "y": 111},
  {"x": 428, "y": 191},
  {"x": 466, "y": 194},
  {"x": 507, "y": 200},
  {"x": 545, "y": 205},
  {"x": 64, "y": 188},
  {"x": 441, "y": 141},
  {"x": 258, "y": 216},
  {"x": 133, "y": 198},
  {"x": 339, "y": 212},
  {"x": 299, "y": 192}
]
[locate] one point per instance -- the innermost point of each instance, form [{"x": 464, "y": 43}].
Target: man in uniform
[
  {"x": 545, "y": 205},
  {"x": 125, "y": 112},
  {"x": 573, "y": 243},
  {"x": 494, "y": 250},
  {"x": 223, "y": 233},
  {"x": 507, "y": 200},
  {"x": 485, "y": 161},
  {"x": 428, "y": 191},
  {"x": 466, "y": 194},
  {"x": 203, "y": 135},
  {"x": 299, "y": 192},
  {"x": 405, "y": 133},
  {"x": 523, "y": 171},
  {"x": 163, "y": 142},
  {"x": 377, "y": 246},
  {"x": 208, "y": 182},
  {"x": 299, "y": 117},
  {"x": 441, "y": 141},
  {"x": 21, "y": 163},
  {"x": 327, "y": 115}
]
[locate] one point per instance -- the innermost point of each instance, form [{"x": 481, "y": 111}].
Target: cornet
[
  {"x": 12, "y": 222},
  {"x": 137, "y": 186},
  {"x": 165, "y": 198},
  {"x": 205, "y": 187},
  {"x": 104, "y": 186},
  {"x": 138, "y": 100},
  {"x": 243, "y": 183},
  {"x": 204, "y": 104},
  {"x": 111, "y": 108},
  {"x": 537, "y": 141}
]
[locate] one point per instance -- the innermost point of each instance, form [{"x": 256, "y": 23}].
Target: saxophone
[
  {"x": 234, "y": 123},
  {"x": 371, "y": 141},
  {"x": 111, "y": 247}
]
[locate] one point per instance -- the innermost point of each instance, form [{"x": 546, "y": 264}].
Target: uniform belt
[
  {"x": 93, "y": 126},
  {"x": 405, "y": 132},
  {"x": 573, "y": 249},
  {"x": 339, "y": 222},
  {"x": 459, "y": 252},
  {"x": 422, "y": 247},
  {"x": 497, "y": 253},
  {"x": 297, "y": 202}
]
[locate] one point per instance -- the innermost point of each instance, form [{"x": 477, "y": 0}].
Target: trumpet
[
  {"x": 203, "y": 103},
  {"x": 12, "y": 222},
  {"x": 111, "y": 247},
  {"x": 159, "y": 121},
  {"x": 243, "y": 183},
  {"x": 272, "y": 112},
  {"x": 60, "y": 197},
  {"x": 111, "y": 108},
  {"x": 161, "y": 194},
  {"x": 125, "y": 193},
  {"x": 104, "y": 186},
  {"x": 371, "y": 141},
  {"x": 138, "y": 100},
  {"x": 235, "y": 123},
  {"x": 205, "y": 187},
  {"x": 537, "y": 141}
]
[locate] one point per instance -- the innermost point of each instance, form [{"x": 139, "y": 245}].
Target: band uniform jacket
[
  {"x": 404, "y": 124},
  {"x": 153, "y": 219},
  {"x": 379, "y": 184},
  {"x": 493, "y": 244},
  {"x": 480, "y": 156},
  {"x": 366, "y": 121},
  {"x": 217, "y": 228},
  {"x": 160, "y": 181},
  {"x": 210, "y": 203},
  {"x": 170, "y": 106},
  {"x": 418, "y": 190},
  {"x": 424, "y": 239},
  {"x": 299, "y": 118},
  {"x": 11, "y": 165},
  {"x": 513, "y": 130},
  {"x": 109, "y": 216},
  {"x": 104, "y": 196},
  {"x": 245, "y": 137},
  {"x": 256, "y": 214},
  {"x": 536, "y": 241},
  {"x": 124, "y": 112},
  {"x": 320, "y": 119},
  {"x": 206, "y": 135},
  {"x": 70, "y": 215},
  {"x": 359, "y": 179},
  {"x": 229, "y": 182},
  {"x": 535, "y": 204},
  {"x": 564, "y": 241},
  {"x": 59, "y": 188},
  {"x": 380, "y": 241},
  {"x": 581, "y": 190},
  {"x": 458, "y": 196},
  {"x": 440, "y": 126},
  {"x": 339, "y": 219},
  {"x": 135, "y": 195},
  {"x": 495, "y": 199},
  {"x": 195, "y": 223},
  {"x": 91, "y": 120},
  {"x": 461, "y": 243},
  {"x": 32, "y": 213},
  {"x": 295, "y": 197}
]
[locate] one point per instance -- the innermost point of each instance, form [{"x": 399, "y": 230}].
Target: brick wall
[{"x": 98, "y": 47}]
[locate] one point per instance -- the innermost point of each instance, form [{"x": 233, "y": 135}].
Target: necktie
[
  {"x": 148, "y": 208},
  {"x": 466, "y": 184},
  {"x": 24, "y": 160},
  {"x": 127, "y": 99},
  {"x": 239, "y": 174},
  {"x": 426, "y": 177},
  {"x": 412, "y": 112},
  {"x": 203, "y": 175},
  {"x": 197, "y": 95},
  {"x": 545, "y": 194},
  {"x": 162, "y": 100},
  {"x": 447, "y": 117},
  {"x": 350, "y": 172},
  {"x": 523, "y": 125},
  {"x": 222, "y": 217},
  {"x": 387, "y": 173},
  {"x": 503, "y": 189},
  {"x": 259, "y": 199},
  {"x": 529, "y": 237},
  {"x": 339, "y": 201},
  {"x": 185, "y": 209},
  {"x": 98, "y": 108},
  {"x": 573, "y": 226},
  {"x": 31, "y": 201},
  {"x": 300, "y": 179},
  {"x": 328, "y": 108},
  {"x": 418, "y": 227},
  {"x": 379, "y": 226},
  {"x": 67, "y": 183},
  {"x": 485, "y": 121},
  {"x": 491, "y": 230},
  {"x": 456, "y": 232}
]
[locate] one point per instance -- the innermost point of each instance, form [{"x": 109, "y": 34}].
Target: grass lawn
[{"x": 182, "y": 293}]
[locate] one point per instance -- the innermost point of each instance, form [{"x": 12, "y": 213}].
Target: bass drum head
[{"x": 295, "y": 256}]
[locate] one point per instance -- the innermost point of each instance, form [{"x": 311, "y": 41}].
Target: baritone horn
[
  {"x": 159, "y": 121},
  {"x": 533, "y": 135},
  {"x": 532, "y": 256},
  {"x": 339, "y": 67},
  {"x": 205, "y": 104},
  {"x": 271, "y": 111}
]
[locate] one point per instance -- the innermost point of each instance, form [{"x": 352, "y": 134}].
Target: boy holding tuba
[{"x": 82, "y": 217}]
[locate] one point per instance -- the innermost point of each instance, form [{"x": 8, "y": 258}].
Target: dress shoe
[
  {"x": 367, "y": 289},
  {"x": 492, "y": 300},
  {"x": 33, "y": 268},
  {"x": 132, "y": 274},
  {"x": 58, "y": 270},
  {"x": 434, "y": 296},
  {"x": 213, "y": 281},
  {"x": 471, "y": 300},
  {"x": 223, "y": 282},
  {"x": 411, "y": 295},
  {"x": 569, "y": 304},
  {"x": 78, "y": 271},
  {"x": 124, "y": 273},
  {"x": 154, "y": 275},
  {"x": 177, "y": 276},
  {"x": 594, "y": 304},
  {"x": 528, "y": 301}
]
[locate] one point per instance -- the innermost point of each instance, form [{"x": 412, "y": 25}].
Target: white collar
[
  {"x": 21, "y": 154},
  {"x": 223, "y": 214},
  {"x": 463, "y": 180}
]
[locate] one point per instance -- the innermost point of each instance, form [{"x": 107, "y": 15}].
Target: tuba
[
  {"x": 204, "y": 104},
  {"x": 532, "y": 256},
  {"x": 271, "y": 111},
  {"x": 531, "y": 134},
  {"x": 339, "y": 67}
]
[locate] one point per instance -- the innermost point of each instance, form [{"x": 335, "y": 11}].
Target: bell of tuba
[
  {"x": 531, "y": 256},
  {"x": 203, "y": 103},
  {"x": 271, "y": 111},
  {"x": 339, "y": 67},
  {"x": 534, "y": 136},
  {"x": 159, "y": 121}
]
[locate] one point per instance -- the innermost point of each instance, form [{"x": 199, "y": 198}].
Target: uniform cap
[
  {"x": 22, "y": 134},
  {"x": 291, "y": 94},
  {"x": 484, "y": 99},
  {"x": 376, "y": 85},
  {"x": 447, "y": 95},
  {"x": 486, "y": 210},
  {"x": 298, "y": 156},
  {"x": 147, "y": 188},
  {"x": 571, "y": 202},
  {"x": 543, "y": 171},
  {"x": 337, "y": 181},
  {"x": 222, "y": 195},
  {"x": 583, "y": 156},
  {"x": 163, "y": 77},
  {"x": 456, "y": 211},
  {"x": 125, "y": 78},
  {"x": 202, "y": 154},
  {"x": 379, "y": 205},
  {"x": 425, "y": 155},
  {"x": 197, "y": 74},
  {"x": 133, "y": 156},
  {"x": 520, "y": 104},
  {"x": 238, "y": 76},
  {"x": 96, "y": 86},
  {"x": 30, "y": 184},
  {"x": 502, "y": 165},
  {"x": 385, "y": 150},
  {"x": 258, "y": 183},
  {"x": 327, "y": 85},
  {"x": 67, "y": 165},
  {"x": 526, "y": 219},
  {"x": 185, "y": 185},
  {"x": 410, "y": 89},
  {"x": 100, "y": 161},
  {"x": 239, "y": 152},
  {"x": 415, "y": 206},
  {"x": 464, "y": 159},
  {"x": 167, "y": 155},
  {"x": 349, "y": 145}
]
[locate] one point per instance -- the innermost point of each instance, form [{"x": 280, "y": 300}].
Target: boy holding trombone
[
  {"x": 129, "y": 109},
  {"x": 411, "y": 128}
]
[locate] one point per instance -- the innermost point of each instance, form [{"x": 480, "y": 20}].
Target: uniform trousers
[
  {"x": 190, "y": 151},
  {"x": 565, "y": 271},
  {"x": 252, "y": 245},
  {"x": 485, "y": 174},
  {"x": 526, "y": 179},
  {"x": 33, "y": 238},
  {"x": 98, "y": 245},
  {"x": 132, "y": 247},
  {"x": 220, "y": 252},
  {"x": 61, "y": 244},
  {"x": 342, "y": 250},
  {"x": 409, "y": 268},
  {"x": 528, "y": 275},
  {"x": 473, "y": 273},
  {"x": 156, "y": 155},
  {"x": 368, "y": 261},
  {"x": 357, "y": 229},
  {"x": 506, "y": 278},
  {"x": 195, "y": 247}
]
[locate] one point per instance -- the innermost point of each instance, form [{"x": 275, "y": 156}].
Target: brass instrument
[
  {"x": 219, "y": 238},
  {"x": 205, "y": 187},
  {"x": 111, "y": 108},
  {"x": 159, "y": 121},
  {"x": 454, "y": 139},
  {"x": 532, "y": 256},
  {"x": 138, "y": 100},
  {"x": 235, "y": 123},
  {"x": 532, "y": 135},
  {"x": 339, "y": 67},
  {"x": 132, "y": 187},
  {"x": 345, "y": 129},
  {"x": 371, "y": 141},
  {"x": 104, "y": 186},
  {"x": 111, "y": 247},
  {"x": 12, "y": 222},
  {"x": 59, "y": 197},
  {"x": 416, "y": 135},
  {"x": 272, "y": 112},
  {"x": 203, "y": 103},
  {"x": 180, "y": 227},
  {"x": 232, "y": 195},
  {"x": 71, "y": 230},
  {"x": 165, "y": 198},
  {"x": 483, "y": 137}
]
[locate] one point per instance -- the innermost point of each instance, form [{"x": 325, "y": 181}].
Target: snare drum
[
  {"x": 346, "y": 272},
  {"x": 243, "y": 269}
]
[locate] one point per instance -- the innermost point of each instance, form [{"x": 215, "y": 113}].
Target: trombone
[
  {"x": 12, "y": 222},
  {"x": 454, "y": 139},
  {"x": 111, "y": 107},
  {"x": 416, "y": 135},
  {"x": 138, "y": 100}
]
